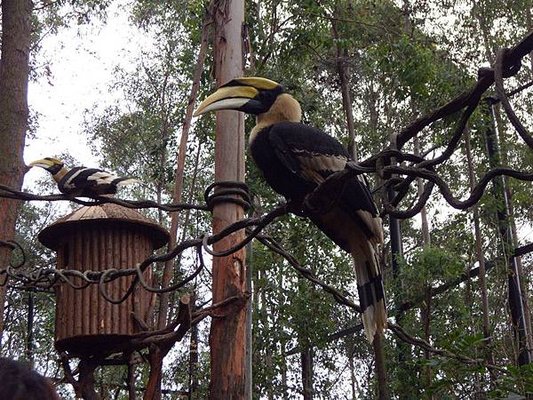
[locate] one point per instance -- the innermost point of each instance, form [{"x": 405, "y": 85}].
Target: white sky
[{"x": 81, "y": 60}]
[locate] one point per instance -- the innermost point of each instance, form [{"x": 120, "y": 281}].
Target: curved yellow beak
[
  {"x": 44, "y": 163},
  {"x": 227, "y": 98},
  {"x": 238, "y": 94}
]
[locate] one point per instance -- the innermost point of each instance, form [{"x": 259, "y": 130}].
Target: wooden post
[{"x": 227, "y": 337}]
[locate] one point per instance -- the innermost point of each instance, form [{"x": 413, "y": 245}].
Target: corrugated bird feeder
[{"x": 98, "y": 238}]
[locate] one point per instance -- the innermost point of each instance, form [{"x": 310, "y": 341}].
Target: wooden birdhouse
[{"x": 99, "y": 238}]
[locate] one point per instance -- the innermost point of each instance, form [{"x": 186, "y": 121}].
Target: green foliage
[
  {"x": 516, "y": 379},
  {"x": 402, "y": 63},
  {"x": 428, "y": 266}
]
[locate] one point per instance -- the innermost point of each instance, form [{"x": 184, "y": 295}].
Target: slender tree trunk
[
  {"x": 155, "y": 360},
  {"x": 480, "y": 257},
  {"x": 249, "y": 322},
  {"x": 270, "y": 366},
  {"x": 344, "y": 73},
  {"x": 500, "y": 129},
  {"x": 155, "y": 380},
  {"x": 426, "y": 237},
  {"x": 381, "y": 370},
  {"x": 132, "y": 394},
  {"x": 515, "y": 262},
  {"x": 306, "y": 357},
  {"x": 425, "y": 309},
  {"x": 516, "y": 306},
  {"x": 227, "y": 337},
  {"x": 180, "y": 168},
  {"x": 30, "y": 326},
  {"x": 284, "y": 383},
  {"x": 14, "y": 72},
  {"x": 193, "y": 357},
  {"x": 353, "y": 379}
]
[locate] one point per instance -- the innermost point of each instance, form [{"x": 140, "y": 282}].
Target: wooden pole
[{"x": 227, "y": 337}]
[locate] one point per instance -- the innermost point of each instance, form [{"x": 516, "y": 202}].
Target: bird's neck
[
  {"x": 60, "y": 174},
  {"x": 284, "y": 109}
]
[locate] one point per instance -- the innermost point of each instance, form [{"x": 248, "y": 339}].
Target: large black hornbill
[
  {"x": 294, "y": 159},
  {"x": 82, "y": 181}
]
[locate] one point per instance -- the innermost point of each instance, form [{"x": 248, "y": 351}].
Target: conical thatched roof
[{"x": 103, "y": 215}]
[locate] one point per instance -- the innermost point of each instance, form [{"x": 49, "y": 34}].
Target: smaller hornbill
[
  {"x": 294, "y": 159},
  {"x": 82, "y": 181}
]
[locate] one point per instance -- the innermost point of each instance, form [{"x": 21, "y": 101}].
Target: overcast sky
[{"x": 81, "y": 61}]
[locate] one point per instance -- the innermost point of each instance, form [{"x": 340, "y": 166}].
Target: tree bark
[
  {"x": 86, "y": 382},
  {"x": 480, "y": 257},
  {"x": 381, "y": 369},
  {"x": 180, "y": 168},
  {"x": 227, "y": 337},
  {"x": 153, "y": 387},
  {"x": 193, "y": 358},
  {"x": 132, "y": 393},
  {"x": 174, "y": 219},
  {"x": 249, "y": 325},
  {"x": 425, "y": 309},
  {"x": 14, "y": 72},
  {"x": 515, "y": 299},
  {"x": 306, "y": 357},
  {"x": 344, "y": 73}
]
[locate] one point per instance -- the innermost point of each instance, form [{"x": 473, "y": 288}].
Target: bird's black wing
[
  {"x": 312, "y": 156},
  {"x": 88, "y": 181}
]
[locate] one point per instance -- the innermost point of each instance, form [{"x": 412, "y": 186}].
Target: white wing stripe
[{"x": 68, "y": 184}]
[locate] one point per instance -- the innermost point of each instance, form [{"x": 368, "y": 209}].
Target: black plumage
[
  {"x": 294, "y": 159},
  {"x": 82, "y": 181}
]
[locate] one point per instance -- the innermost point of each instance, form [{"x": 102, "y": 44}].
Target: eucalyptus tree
[{"x": 404, "y": 59}]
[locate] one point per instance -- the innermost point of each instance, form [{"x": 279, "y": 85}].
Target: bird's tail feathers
[
  {"x": 370, "y": 288},
  {"x": 126, "y": 181}
]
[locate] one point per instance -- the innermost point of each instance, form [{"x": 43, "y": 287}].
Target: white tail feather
[{"x": 128, "y": 181}]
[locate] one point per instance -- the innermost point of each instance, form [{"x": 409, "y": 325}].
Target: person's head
[{"x": 19, "y": 382}]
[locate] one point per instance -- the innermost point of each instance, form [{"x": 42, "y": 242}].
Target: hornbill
[
  {"x": 294, "y": 159},
  {"x": 82, "y": 181}
]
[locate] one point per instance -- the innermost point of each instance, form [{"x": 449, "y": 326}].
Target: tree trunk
[
  {"x": 516, "y": 306},
  {"x": 500, "y": 130},
  {"x": 249, "y": 323},
  {"x": 480, "y": 257},
  {"x": 86, "y": 380},
  {"x": 180, "y": 168},
  {"x": 132, "y": 393},
  {"x": 425, "y": 309},
  {"x": 381, "y": 370},
  {"x": 307, "y": 373},
  {"x": 193, "y": 357},
  {"x": 227, "y": 337},
  {"x": 344, "y": 73},
  {"x": 153, "y": 387},
  {"x": 14, "y": 71},
  {"x": 174, "y": 219},
  {"x": 353, "y": 378}
]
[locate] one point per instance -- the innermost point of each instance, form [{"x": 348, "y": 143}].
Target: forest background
[{"x": 362, "y": 71}]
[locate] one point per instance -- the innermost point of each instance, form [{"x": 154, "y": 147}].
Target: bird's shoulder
[
  {"x": 81, "y": 175},
  {"x": 306, "y": 138}
]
